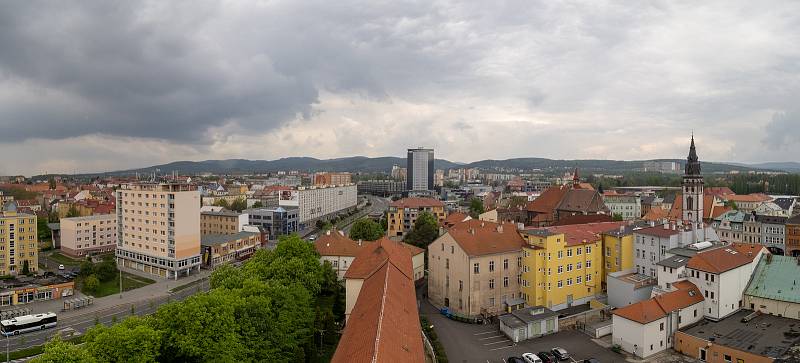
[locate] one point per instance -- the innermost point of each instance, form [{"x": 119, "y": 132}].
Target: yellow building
[
  {"x": 403, "y": 214},
  {"x": 617, "y": 251},
  {"x": 18, "y": 241},
  {"x": 563, "y": 265}
]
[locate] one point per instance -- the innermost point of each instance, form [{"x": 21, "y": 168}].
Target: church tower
[{"x": 692, "y": 189}]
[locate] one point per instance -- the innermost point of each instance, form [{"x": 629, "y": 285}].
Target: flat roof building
[
  {"x": 775, "y": 287},
  {"x": 81, "y": 236}
]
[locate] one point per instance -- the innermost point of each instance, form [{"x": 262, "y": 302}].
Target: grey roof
[
  {"x": 93, "y": 217},
  {"x": 674, "y": 261},
  {"x": 685, "y": 251},
  {"x": 669, "y": 198},
  {"x": 54, "y": 226},
  {"x": 224, "y": 212},
  {"x": 648, "y": 199},
  {"x": 521, "y": 317},
  {"x": 784, "y": 203},
  {"x": 771, "y": 219},
  {"x": 628, "y": 229},
  {"x": 215, "y": 239},
  {"x": 764, "y": 335},
  {"x": 776, "y": 278}
]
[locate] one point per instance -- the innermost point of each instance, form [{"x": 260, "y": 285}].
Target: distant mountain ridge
[{"x": 384, "y": 164}]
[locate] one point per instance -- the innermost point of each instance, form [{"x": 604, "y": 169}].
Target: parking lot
[{"x": 485, "y": 343}]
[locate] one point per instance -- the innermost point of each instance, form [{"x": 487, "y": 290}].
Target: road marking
[
  {"x": 486, "y": 332},
  {"x": 502, "y": 341},
  {"x": 510, "y": 346},
  {"x": 496, "y": 336}
]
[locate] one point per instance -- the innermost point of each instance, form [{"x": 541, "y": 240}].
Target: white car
[
  {"x": 531, "y": 358},
  {"x": 61, "y": 267}
]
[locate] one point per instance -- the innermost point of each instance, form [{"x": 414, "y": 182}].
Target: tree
[
  {"x": 475, "y": 207},
  {"x": 366, "y": 229},
  {"x": 221, "y": 203},
  {"x": 616, "y": 217},
  {"x": 91, "y": 283},
  {"x": 239, "y": 204},
  {"x": 133, "y": 340},
  {"x": 732, "y": 205},
  {"x": 59, "y": 351},
  {"x": 258, "y": 204},
  {"x": 426, "y": 229},
  {"x": 73, "y": 212},
  {"x": 43, "y": 230},
  {"x": 51, "y": 183},
  {"x": 107, "y": 269}
]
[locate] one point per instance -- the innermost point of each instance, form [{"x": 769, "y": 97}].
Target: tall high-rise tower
[
  {"x": 692, "y": 188},
  {"x": 419, "y": 175}
]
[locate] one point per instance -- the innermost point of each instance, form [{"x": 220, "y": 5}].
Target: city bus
[{"x": 27, "y": 323}]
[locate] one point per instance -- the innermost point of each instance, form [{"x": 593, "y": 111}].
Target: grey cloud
[{"x": 783, "y": 131}]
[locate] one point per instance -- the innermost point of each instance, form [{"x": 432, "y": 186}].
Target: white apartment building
[
  {"x": 81, "y": 236},
  {"x": 320, "y": 202},
  {"x": 158, "y": 228},
  {"x": 652, "y": 244},
  {"x": 722, "y": 275},
  {"x": 628, "y": 206}
]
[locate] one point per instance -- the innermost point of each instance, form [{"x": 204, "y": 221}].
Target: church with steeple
[{"x": 692, "y": 189}]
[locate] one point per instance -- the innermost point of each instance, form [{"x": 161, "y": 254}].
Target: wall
[
  {"x": 774, "y": 307},
  {"x": 352, "y": 289},
  {"x": 636, "y": 338},
  {"x": 690, "y": 346}
]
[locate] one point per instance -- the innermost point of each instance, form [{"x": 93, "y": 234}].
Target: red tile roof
[
  {"x": 710, "y": 209},
  {"x": 547, "y": 202},
  {"x": 334, "y": 243},
  {"x": 375, "y": 254},
  {"x": 718, "y": 191},
  {"x": 656, "y": 308},
  {"x": 384, "y": 324},
  {"x": 417, "y": 203},
  {"x": 454, "y": 218},
  {"x": 577, "y": 234},
  {"x": 725, "y": 259},
  {"x": 478, "y": 238},
  {"x": 583, "y": 219},
  {"x": 656, "y": 214}
]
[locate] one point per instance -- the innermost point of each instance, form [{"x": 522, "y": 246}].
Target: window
[
  {"x": 560, "y": 284},
  {"x": 578, "y": 279},
  {"x": 560, "y": 269},
  {"x": 519, "y": 261},
  {"x": 578, "y": 265},
  {"x": 661, "y": 327},
  {"x": 588, "y": 263},
  {"x": 491, "y": 266},
  {"x": 569, "y": 267},
  {"x": 569, "y": 281},
  {"x": 560, "y": 254},
  {"x": 491, "y": 284},
  {"x": 505, "y": 264},
  {"x": 447, "y": 263},
  {"x": 505, "y": 281},
  {"x": 588, "y": 277},
  {"x": 579, "y": 250},
  {"x": 588, "y": 249},
  {"x": 476, "y": 268},
  {"x": 695, "y": 313},
  {"x": 569, "y": 252},
  {"x": 452, "y": 249},
  {"x": 727, "y": 358}
]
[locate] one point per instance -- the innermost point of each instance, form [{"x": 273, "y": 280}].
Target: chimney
[
  {"x": 621, "y": 229},
  {"x": 652, "y": 223},
  {"x": 500, "y": 228},
  {"x": 481, "y": 223},
  {"x": 359, "y": 242},
  {"x": 328, "y": 232},
  {"x": 666, "y": 226}
]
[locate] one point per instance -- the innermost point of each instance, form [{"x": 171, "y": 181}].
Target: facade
[
  {"x": 474, "y": 268},
  {"x": 340, "y": 251},
  {"x": 18, "y": 241},
  {"x": 277, "y": 221},
  {"x": 793, "y": 236},
  {"x": 628, "y": 287},
  {"x": 751, "y": 229},
  {"x": 722, "y": 275},
  {"x": 158, "y": 228},
  {"x": 529, "y": 323},
  {"x": 420, "y": 170},
  {"x": 49, "y": 289},
  {"x": 81, "y": 236},
  {"x": 327, "y": 178},
  {"x": 558, "y": 204},
  {"x": 652, "y": 244},
  {"x": 773, "y": 235},
  {"x": 648, "y": 327},
  {"x": 315, "y": 203},
  {"x": 562, "y": 266},
  {"x": 218, "y": 249},
  {"x": 383, "y": 188},
  {"x": 748, "y": 202},
  {"x": 403, "y": 214},
  {"x": 773, "y": 288},
  {"x": 730, "y": 226},
  {"x": 222, "y": 222},
  {"x": 618, "y": 250},
  {"x": 628, "y": 206}
]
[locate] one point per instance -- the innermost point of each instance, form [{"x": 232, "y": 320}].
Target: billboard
[{"x": 289, "y": 198}]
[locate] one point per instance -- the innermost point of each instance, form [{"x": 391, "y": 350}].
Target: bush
[{"x": 91, "y": 283}]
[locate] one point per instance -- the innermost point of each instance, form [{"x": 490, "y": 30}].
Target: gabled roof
[
  {"x": 547, "y": 202},
  {"x": 375, "y": 254},
  {"x": 784, "y": 203},
  {"x": 755, "y": 197},
  {"x": 384, "y": 324},
  {"x": 453, "y": 218},
  {"x": 416, "y": 203},
  {"x": 724, "y": 259},
  {"x": 478, "y": 238},
  {"x": 718, "y": 191},
  {"x": 335, "y": 243},
  {"x": 656, "y": 214},
  {"x": 577, "y": 234},
  {"x": 582, "y": 200},
  {"x": 652, "y": 309}
]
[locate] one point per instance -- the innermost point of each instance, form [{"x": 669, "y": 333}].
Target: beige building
[
  {"x": 92, "y": 234},
  {"x": 475, "y": 268},
  {"x": 403, "y": 214},
  {"x": 18, "y": 241},
  {"x": 224, "y": 248},
  {"x": 158, "y": 228},
  {"x": 327, "y": 178},
  {"x": 222, "y": 222}
]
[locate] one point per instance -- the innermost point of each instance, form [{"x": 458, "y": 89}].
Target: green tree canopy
[
  {"x": 73, "y": 212},
  {"x": 426, "y": 229},
  {"x": 475, "y": 207},
  {"x": 221, "y": 203},
  {"x": 133, "y": 340},
  {"x": 258, "y": 204},
  {"x": 59, "y": 351},
  {"x": 366, "y": 229},
  {"x": 239, "y": 204},
  {"x": 91, "y": 283}
]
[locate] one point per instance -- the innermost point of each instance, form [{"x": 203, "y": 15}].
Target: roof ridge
[{"x": 380, "y": 317}]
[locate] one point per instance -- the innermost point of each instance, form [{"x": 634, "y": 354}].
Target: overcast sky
[{"x": 108, "y": 85}]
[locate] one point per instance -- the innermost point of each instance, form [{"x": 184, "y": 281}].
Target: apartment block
[
  {"x": 276, "y": 221},
  {"x": 218, "y": 249},
  {"x": 403, "y": 214},
  {"x": 617, "y": 250},
  {"x": 158, "y": 228},
  {"x": 81, "y": 236},
  {"x": 321, "y": 179},
  {"x": 222, "y": 222},
  {"x": 316, "y": 203},
  {"x": 18, "y": 241}
]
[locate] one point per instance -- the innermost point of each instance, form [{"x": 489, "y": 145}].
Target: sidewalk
[{"x": 159, "y": 289}]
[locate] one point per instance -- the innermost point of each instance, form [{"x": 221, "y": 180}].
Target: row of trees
[
  {"x": 239, "y": 204},
  {"x": 267, "y": 310}
]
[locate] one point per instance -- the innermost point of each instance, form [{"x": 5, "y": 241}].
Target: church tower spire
[{"x": 692, "y": 188}]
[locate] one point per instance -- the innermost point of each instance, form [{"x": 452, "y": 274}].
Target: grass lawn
[
  {"x": 64, "y": 260},
  {"x": 111, "y": 287}
]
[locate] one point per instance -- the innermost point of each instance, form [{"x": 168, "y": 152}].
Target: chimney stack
[
  {"x": 328, "y": 232},
  {"x": 359, "y": 242},
  {"x": 500, "y": 228}
]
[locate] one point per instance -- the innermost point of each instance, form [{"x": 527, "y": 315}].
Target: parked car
[
  {"x": 590, "y": 360},
  {"x": 61, "y": 267},
  {"x": 531, "y": 358},
  {"x": 514, "y": 360},
  {"x": 547, "y": 357},
  {"x": 560, "y": 353}
]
